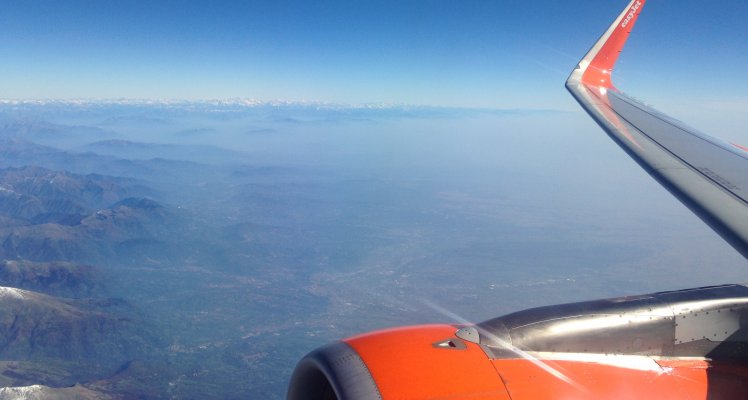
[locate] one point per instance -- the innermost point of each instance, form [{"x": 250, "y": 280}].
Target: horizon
[{"x": 476, "y": 55}]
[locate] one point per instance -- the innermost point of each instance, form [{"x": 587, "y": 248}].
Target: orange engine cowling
[
  {"x": 408, "y": 363},
  {"x": 430, "y": 362},
  {"x": 686, "y": 344}
]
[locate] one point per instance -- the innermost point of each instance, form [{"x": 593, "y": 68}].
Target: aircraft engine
[{"x": 418, "y": 362}]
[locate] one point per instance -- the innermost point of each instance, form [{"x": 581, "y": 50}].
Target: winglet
[{"x": 597, "y": 65}]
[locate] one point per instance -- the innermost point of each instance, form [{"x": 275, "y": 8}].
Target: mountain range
[
  {"x": 58, "y": 325},
  {"x": 54, "y": 215}
]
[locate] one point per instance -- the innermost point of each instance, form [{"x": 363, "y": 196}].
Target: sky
[{"x": 494, "y": 54}]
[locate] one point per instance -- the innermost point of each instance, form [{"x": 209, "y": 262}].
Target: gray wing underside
[{"x": 707, "y": 175}]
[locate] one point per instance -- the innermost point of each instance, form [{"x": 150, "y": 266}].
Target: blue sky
[{"x": 498, "y": 54}]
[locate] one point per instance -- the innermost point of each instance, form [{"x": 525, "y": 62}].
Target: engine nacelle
[
  {"x": 654, "y": 343},
  {"x": 408, "y": 363}
]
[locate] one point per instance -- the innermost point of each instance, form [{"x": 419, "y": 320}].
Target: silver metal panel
[
  {"x": 716, "y": 326},
  {"x": 702, "y": 322}
]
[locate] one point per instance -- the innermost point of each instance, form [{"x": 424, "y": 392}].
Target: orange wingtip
[{"x": 601, "y": 66}]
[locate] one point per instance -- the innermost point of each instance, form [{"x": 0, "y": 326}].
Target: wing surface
[{"x": 708, "y": 175}]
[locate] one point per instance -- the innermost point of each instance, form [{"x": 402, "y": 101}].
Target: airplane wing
[
  {"x": 685, "y": 344},
  {"x": 706, "y": 174}
]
